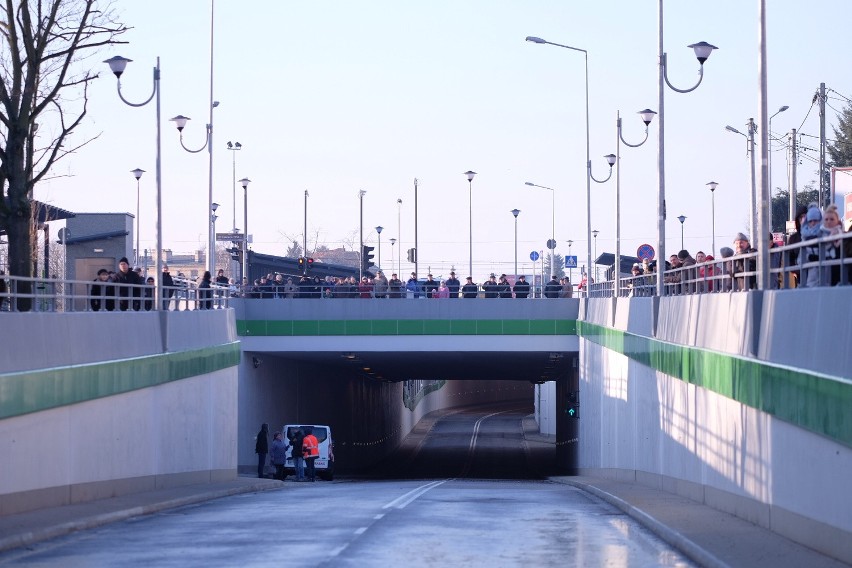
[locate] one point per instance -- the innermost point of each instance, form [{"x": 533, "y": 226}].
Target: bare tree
[{"x": 44, "y": 61}]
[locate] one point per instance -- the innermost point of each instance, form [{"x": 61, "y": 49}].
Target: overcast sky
[{"x": 335, "y": 97}]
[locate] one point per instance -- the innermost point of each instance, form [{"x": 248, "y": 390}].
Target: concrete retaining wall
[
  {"x": 120, "y": 430},
  {"x": 655, "y": 418}
]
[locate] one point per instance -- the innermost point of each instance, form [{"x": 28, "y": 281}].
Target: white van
[{"x": 324, "y": 464}]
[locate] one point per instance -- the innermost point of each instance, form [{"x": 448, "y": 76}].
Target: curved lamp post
[
  {"x": 713, "y": 185},
  {"x": 117, "y": 65},
  {"x": 647, "y": 116},
  {"x": 589, "y": 177},
  {"x": 702, "y": 52}
]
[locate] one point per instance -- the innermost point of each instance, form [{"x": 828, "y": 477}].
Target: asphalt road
[{"x": 466, "y": 490}]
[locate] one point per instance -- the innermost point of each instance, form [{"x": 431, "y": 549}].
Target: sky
[{"x": 335, "y": 97}]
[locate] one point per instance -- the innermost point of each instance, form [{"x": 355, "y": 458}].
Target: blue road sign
[
  {"x": 533, "y": 256},
  {"x": 645, "y": 251},
  {"x": 570, "y": 262}
]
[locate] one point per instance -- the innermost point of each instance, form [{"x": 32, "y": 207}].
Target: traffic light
[
  {"x": 302, "y": 262},
  {"x": 412, "y": 255},
  {"x": 236, "y": 253},
  {"x": 573, "y": 408},
  {"x": 309, "y": 263},
  {"x": 366, "y": 258}
]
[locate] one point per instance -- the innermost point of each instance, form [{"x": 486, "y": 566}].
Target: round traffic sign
[
  {"x": 645, "y": 251},
  {"x": 533, "y": 256},
  {"x": 551, "y": 244}
]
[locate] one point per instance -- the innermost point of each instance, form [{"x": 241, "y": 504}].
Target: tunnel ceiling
[{"x": 399, "y": 366}]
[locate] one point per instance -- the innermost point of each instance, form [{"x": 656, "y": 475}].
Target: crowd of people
[
  {"x": 289, "y": 287},
  {"x": 304, "y": 450}
]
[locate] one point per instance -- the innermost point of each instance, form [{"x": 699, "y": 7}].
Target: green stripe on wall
[
  {"x": 297, "y": 328},
  {"x": 811, "y": 401},
  {"x": 32, "y": 391}
]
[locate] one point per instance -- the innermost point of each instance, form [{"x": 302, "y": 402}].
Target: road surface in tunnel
[{"x": 465, "y": 489}]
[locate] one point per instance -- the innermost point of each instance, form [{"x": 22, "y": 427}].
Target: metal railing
[
  {"x": 808, "y": 264},
  {"x": 23, "y": 294}
]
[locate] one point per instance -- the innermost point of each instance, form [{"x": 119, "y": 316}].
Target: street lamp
[
  {"x": 702, "y": 51},
  {"x": 595, "y": 234},
  {"x": 392, "y": 242},
  {"x": 305, "y": 232},
  {"x": 379, "y": 232},
  {"x": 551, "y": 242},
  {"x": 180, "y": 120},
  {"x": 779, "y": 111},
  {"x": 137, "y": 173},
  {"x": 117, "y": 65},
  {"x": 470, "y": 175},
  {"x": 750, "y": 151},
  {"x": 571, "y": 269},
  {"x": 234, "y": 147},
  {"x": 361, "y": 194},
  {"x": 399, "y": 233},
  {"x": 245, "y": 182},
  {"x": 713, "y": 185},
  {"x": 681, "y": 218},
  {"x": 647, "y": 116},
  {"x": 213, "y": 218},
  {"x": 588, "y": 158},
  {"x": 516, "y": 212}
]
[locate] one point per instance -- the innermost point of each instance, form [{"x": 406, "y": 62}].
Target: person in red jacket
[{"x": 310, "y": 451}]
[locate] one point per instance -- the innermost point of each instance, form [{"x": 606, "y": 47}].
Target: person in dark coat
[
  {"x": 205, "y": 292},
  {"x": 124, "y": 277},
  {"x": 552, "y": 288},
  {"x": 149, "y": 294},
  {"x": 504, "y": 288},
  {"x": 470, "y": 290},
  {"x": 168, "y": 287},
  {"x": 453, "y": 284},
  {"x": 522, "y": 287},
  {"x": 103, "y": 295},
  {"x": 491, "y": 289},
  {"x": 430, "y": 286},
  {"x": 278, "y": 454},
  {"x": 296, "y": 454},
  {"x": 261, "y": 446}
]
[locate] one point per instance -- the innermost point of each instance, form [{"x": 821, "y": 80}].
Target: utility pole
[
  {"x": 823, "y": 194},
  {"x": 416, "y": 249},
  {"x": 794, "y": 160}
]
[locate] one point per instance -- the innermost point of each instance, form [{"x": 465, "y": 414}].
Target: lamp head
[
  {"x": 595, "y": 233},
  {"x": 470, "y": 175},
  {"x": 681, "y": 218},
  {"x": 230, "y": 145},
  {"x": 237, "y": 145},
  {"x": 712, "y": 185},
  {"x": 137, "y": 173},
  {"x": 245, "y": 182},
  {"x": 734, "y": 130},
  {"x": 214, "y": 206},
  {"x": 647, "y": 116},
  {"x": 702, "y": 50},
  {"x": 117, "y": 65},
  {"x": 535, "y": 39},
  {"x": 379, "y": 229},
  {"x": 610, "y": 159},
  {"x": 392, "y": 241},
  {"x": 180, "y": 121},
  {"x": 516, "y": 212},
  {"x": 783, "y": 108},
  {"x": 529, "y": 183}
]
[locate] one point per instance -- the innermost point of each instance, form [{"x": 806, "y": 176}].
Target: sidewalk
[{"x": 24, "y": 529}]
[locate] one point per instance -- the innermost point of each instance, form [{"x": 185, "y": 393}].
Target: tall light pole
[
  {"x": 213, "y": 218},
  {"x": 392, "y": 242},
  {"x": 180, "y": 121},
  {"x": 702, "y": 51},
  {"x": 117, "y": 65},
  {"x": 713, "y": 185},
  {"x": 137, "y": 173},
  {"x": 245, "y": 182},
  {"x": 570, "y": 270},
  {"x": 399, "y": 234},
  {"x": 551, "y": 242},
  {"x": 595, "y": 234},
  {"x": 470, "y": 175},
  {"x": 647, "y": 116},
  {"x": 516, "y": 212},
  {"x": 681, "y": 218},
  {"x": 779, "y": 111},
  {"x": 361, "y": 194},
  {"x": 750, "y": 151},
  {"x": 589, "y": 177},
  {"x": 234, "y": 147},
  {"x": 379, "y": 232},
  {"x": 305, "y": 231}
]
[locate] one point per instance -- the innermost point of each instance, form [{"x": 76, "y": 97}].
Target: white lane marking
[
  {"x": 403, "y": 500},
  {"x": 360, "y": 530},
  {"x": 472, "y": 446},
  {"x": 379, "y": 516},
  {"x": 338, "y": 550}
]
